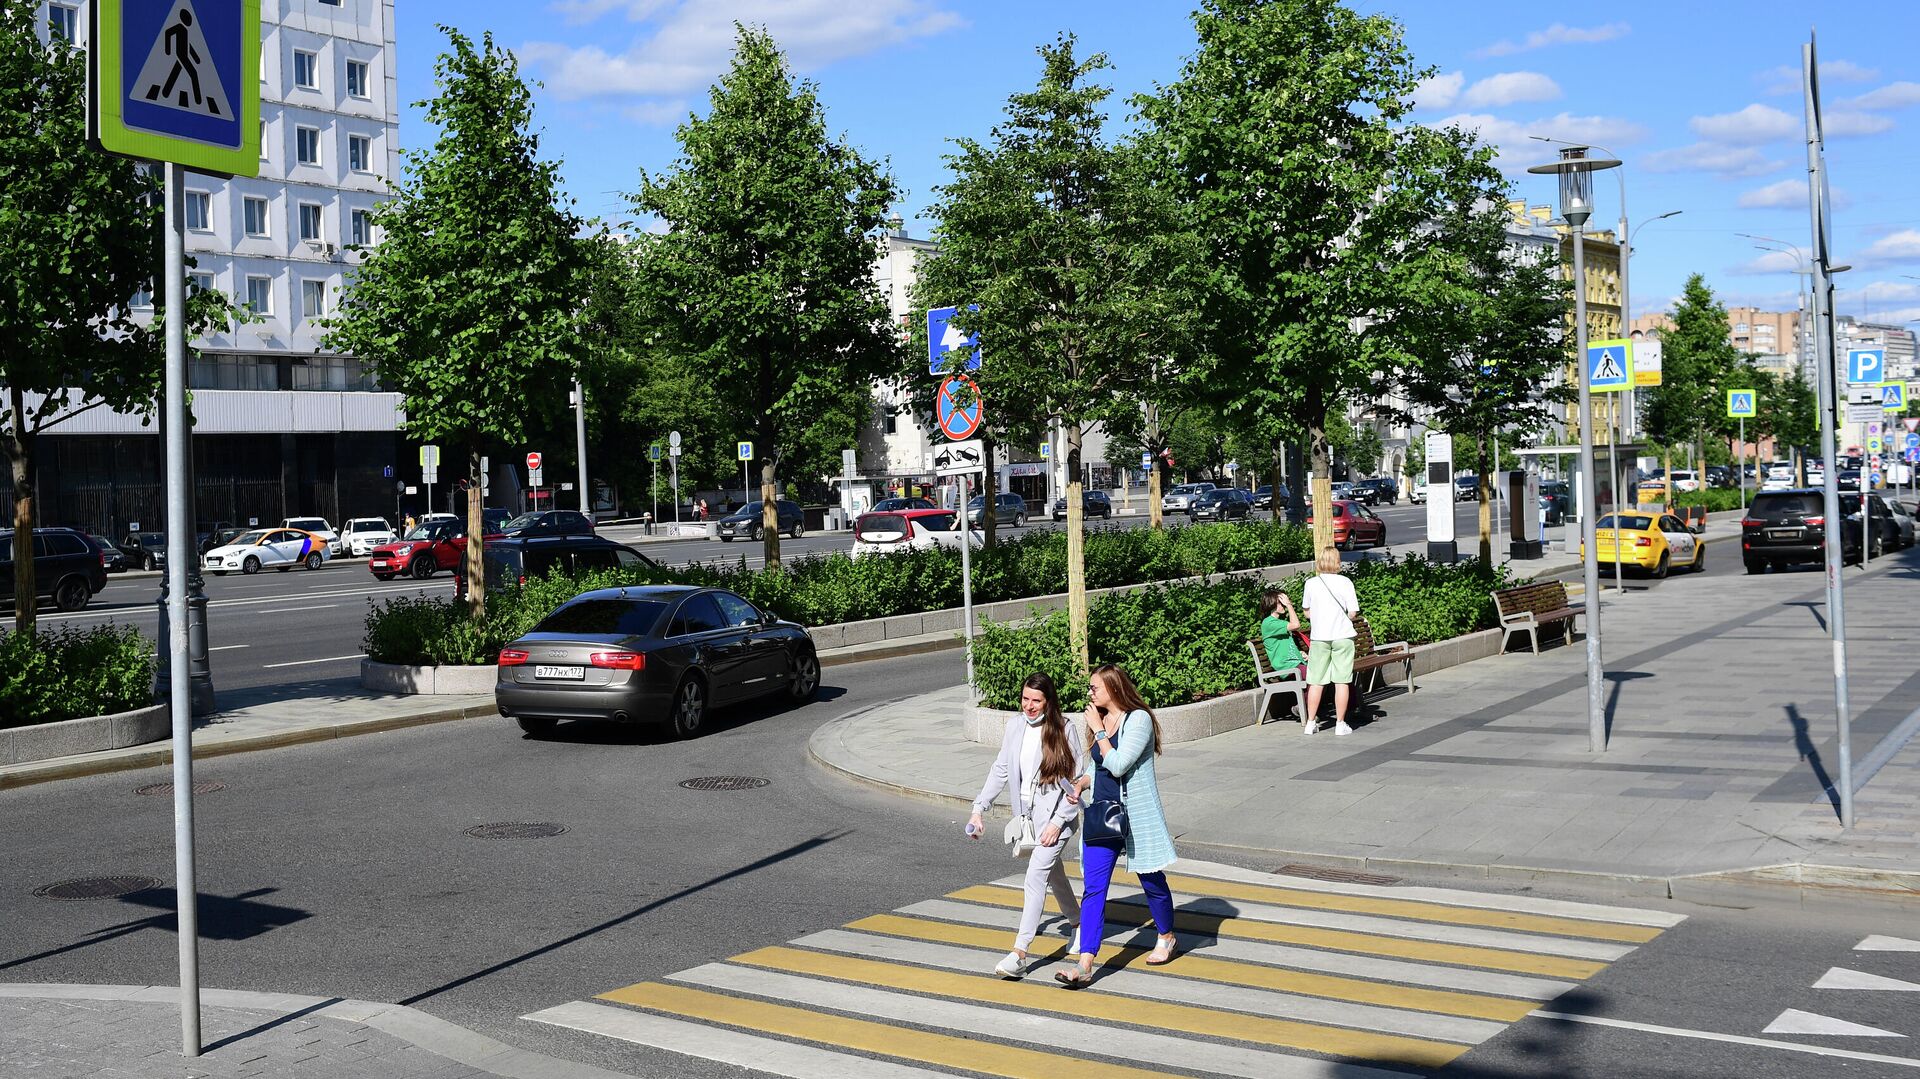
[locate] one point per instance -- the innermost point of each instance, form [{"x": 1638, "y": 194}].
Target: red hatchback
[
  {"x": 1354, "y": 525},
  {"x": 428, "y": 549}
]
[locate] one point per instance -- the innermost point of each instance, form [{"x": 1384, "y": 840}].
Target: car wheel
[
  {"x": 71, "y": 594},
  {"x": 1755, "y": 567},
  {"x": 149, "y": 564},
  {"x": 1382, "y": 542},
  {"x": 383, "y": 576},
  {"x": 1700, "y": 558},
  {"x": 806, "y": 677},
  {"x": 536, "y": 725},
  {"x": 423, "y": 567},
  {"x": 314, "y": 560},
  {"x": 689, "y": 707},
  {"x": 800, "y": 530},
  {"x": 755, "y": 534},
  {"x": 251, "y": 566},
  {"x": 1660, "y": 567}
]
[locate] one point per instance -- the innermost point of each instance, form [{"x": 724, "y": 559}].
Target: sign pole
[
  {"x": 653, "y": 488},
  {"x": 1590, "y": 564},
  {"x": 1743, "y": 462},
  {"x": 1829, "y": 389},
  {"x": 580, "y": 441},
  {"x": 966, "y": 578}
]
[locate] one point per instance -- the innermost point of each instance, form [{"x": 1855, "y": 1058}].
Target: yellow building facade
[{"x": 1601, "y": 285}]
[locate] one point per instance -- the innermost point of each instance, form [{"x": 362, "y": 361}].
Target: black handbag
[{"x": 1106, "y": 819}]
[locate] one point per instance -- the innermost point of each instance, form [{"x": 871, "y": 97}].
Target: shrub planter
[
  {"x": 90, "y": 734},
  {"x": 400, "y": 679}
]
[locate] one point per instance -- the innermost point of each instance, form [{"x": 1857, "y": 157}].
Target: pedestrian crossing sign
[
  {"x": 1610, "y": 365},
  {"x": 1740, "y": 404},
  {"x": 1893, "y": 396},
  {"x": 176, "y": 80}
]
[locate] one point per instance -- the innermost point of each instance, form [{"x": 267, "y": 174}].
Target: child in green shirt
[{"x": 1276, "y": 631}]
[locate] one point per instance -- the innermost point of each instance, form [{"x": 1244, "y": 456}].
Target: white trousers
[{"x": 1045, "y": 871}]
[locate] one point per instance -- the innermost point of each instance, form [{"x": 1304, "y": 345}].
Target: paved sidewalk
[
  {"x": 1722, "y": 753},
  {"x": 133, "y": 1032}
]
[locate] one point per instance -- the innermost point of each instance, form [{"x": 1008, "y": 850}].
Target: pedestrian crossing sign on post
[
  {"x": 1610, "y": 365},
  {"x": 1893, "y": 396},
  {"x": 1740, "y": 404},
  {"x": 178, "y": 81}
]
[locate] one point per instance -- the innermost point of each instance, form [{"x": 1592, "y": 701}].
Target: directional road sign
[
  {"x": 1610, "y": 365},
  {"x": 386, "y": 472},
  {"x": 178, "y": 81},
  {"x": 942, "y": 338},
  {"x": 1046, "y": 450},
  {"x": 1876, "y": 444},
  {"x": 1913, "y": 441},
  {"x": 958, "y": 408},
  {"x": 1893, "y": 396},
  {"x": 743, "y": 451},
  {"x": 1740, "y": 403},
  {"x": 1866, "y": 364},
  {"x": 1646, "y": 363}
]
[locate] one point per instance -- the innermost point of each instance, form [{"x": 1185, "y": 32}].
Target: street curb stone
[{"x": 88, "y": 734}]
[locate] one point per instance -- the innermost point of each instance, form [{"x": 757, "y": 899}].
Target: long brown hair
[
  {"x": 1056, "y": 754},
  {"x": 1126, "y": 697}
]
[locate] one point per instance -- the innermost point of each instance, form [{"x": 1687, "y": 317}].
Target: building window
[
  {"x": 360, "y": 228},
  {"x": 64, "y": 21},
  {"x": 143, "y": 299},
  {"x": 199, "y": 282},
  {"x": 359, "y": 152},
  {"x": 306, "y": 145},
  {"x": 313, "y": 298},
  {"x": 260, "y": 295},
  {"x": 1739, "y": 327},
  {"x": 890, "y": 422},
  {"x": 263, "y": 140},
  {"x": 310, "y": 221},
  {"x": 306, "y": 70},
  {"x": 199, "y": 211},
  {"x": 329, "y": 3},
  {"x": 256, "y": 216},
  {"x": 357, "y": 79}
]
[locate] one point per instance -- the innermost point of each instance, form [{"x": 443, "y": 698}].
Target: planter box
[
  {"x": 88, "y": 735},
  {"x": 395, "y": 678}
]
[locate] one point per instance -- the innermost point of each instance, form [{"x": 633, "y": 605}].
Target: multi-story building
[
  {"x": 283, "y": 427},
  {"x": 1896, "y": 339}
]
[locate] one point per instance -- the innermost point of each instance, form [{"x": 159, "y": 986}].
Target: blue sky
[{"x": 1700, "y": 99}]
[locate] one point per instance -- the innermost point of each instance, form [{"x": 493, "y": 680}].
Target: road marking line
[
  {"x": 1202, "y": 994},
  {"x": 304, "y": 662},
  {"x": 1878, "y": 943},
  {"x": 290, "y": 610},
  {"x": 1842, "y": 978},
  {"x": 1736, "y": 1039},
  {"x": 734, "y": 1047},
  {"x": 1055, "y": 1032},
  {"x": 941, "y": 1050},
  {"x": 1039, "y": 999},
  {"x": 1794, "y": 1021},
  {"x": 228, "y": 647},
  {"x": 1192, "y": 965},
  {"x": 1551, "y": 966}
]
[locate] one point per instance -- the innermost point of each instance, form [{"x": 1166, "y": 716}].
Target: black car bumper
[{"x": 635, "y": 702}]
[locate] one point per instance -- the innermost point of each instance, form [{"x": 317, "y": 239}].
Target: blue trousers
[{"x": 1096, "y": 867}]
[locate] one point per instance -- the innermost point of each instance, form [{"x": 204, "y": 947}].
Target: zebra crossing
[{"x": 1276, "y": 977}]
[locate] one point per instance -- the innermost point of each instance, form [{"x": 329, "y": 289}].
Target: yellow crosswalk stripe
[
  {"x": 1252, "y": 975},
  {"x": 1335, "y": 1041},
  {"x": 941, "y": 1050},
  {"x": 1395, "y": 908},
  {"x": 1125, "y": 911}
]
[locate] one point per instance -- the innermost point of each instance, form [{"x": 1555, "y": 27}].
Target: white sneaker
[
  {"x": 1012, "y": 967},
  {"x": 1068, "y": 929},
  {"x": 1310, "y": 727},
  {"x": 1342, "y": 728}
]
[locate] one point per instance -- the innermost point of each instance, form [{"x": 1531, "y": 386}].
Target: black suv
[
  {"x": 1092, "y": 504},
  {"x": 516, "y": 560},
  {"x": 66, "y": 567},
  {"x": 1221, "y": 504},
  {"x": 745, "y": 521},
  {"x": 547, "y": 523},
  {"x": 1784, "y": 528},
  {"x": 147, "y": 550},
  {"x": 1375, "y": 491}
]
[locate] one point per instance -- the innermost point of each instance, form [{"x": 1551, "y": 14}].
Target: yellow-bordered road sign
[{"x": 178, "y": 80}]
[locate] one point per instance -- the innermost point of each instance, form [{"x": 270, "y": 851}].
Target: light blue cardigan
[{"x": 1149, "y": 844}]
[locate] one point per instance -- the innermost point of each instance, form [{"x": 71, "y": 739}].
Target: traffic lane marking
[
  {"x": 292, "y": 610},
  {"x": 151, "y": 609},
  {"x": 1735, "y": 1039},
  {"x": 305, "y": 662}
]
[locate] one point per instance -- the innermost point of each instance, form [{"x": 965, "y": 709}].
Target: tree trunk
[
  {"x": 769, "y": 509},
  {"x": 1154, "y": 516},
  {"x": 1076, "y": 553},
  {"x": 1322, "y": 474},
  {"x": 1482, "y": 488},
  {"x": 476, "y": 536},
  {"x": 26, "y": 599},
  {"x": 989, "y": 494},
  {"x": 1278, "y": 479}
]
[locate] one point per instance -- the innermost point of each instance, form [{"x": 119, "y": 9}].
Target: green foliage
[
  {"x": 49, "y": 676},
  {"x": 1716, "y": 499},
  {"x": 1700, "y": 364},
  {"x": 1187, "y": 642}
]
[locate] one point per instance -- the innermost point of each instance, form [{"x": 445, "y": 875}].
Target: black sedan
[
  {"x": 1221, "y": 504},
  {"x": 653, "y": 654},
  {"x": 746, "y": 521},
  {"x": 112, "y": 559},
  {"x": 1092, "y": 504}
]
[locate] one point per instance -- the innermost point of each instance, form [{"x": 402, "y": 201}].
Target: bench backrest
[
  {"x": 1539, "y": 598},
  {"x": 1362, "y": 637},
  {"x": 1261, "y": 666}
]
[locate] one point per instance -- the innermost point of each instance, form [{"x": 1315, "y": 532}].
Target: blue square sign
[
  {"x": 1866, "y": 364},
  {"x": 1609, "y": 366},
  {"x": 944, "y": 337},
  {"x": 178, "y": 80}
]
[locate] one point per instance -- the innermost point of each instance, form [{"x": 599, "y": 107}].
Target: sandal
[
  {"x": 1075, "y": 977},
  {"x": 1162, "y": 952}
]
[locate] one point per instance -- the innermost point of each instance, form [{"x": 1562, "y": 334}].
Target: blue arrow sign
[
  {"x": 1913, "y": 441},
  {"x": 1608, "y": 367},
  {"x": 1866, "y": 364},
  {"x": 943, "y": 338},
  {"x": 744, "y": 450}
]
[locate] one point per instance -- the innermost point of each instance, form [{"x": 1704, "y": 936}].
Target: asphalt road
[{"x": 342, "y": 868}]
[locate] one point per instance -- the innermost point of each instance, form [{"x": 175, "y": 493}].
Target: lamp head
[{"x": 1575, "y": 170}]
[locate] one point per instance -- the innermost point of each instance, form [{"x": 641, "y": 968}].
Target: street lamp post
[{"x": 1575, "y": 172}]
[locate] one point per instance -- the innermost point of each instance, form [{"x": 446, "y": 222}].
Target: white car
[
  {"x": 1417, "y": 494},
  {"x": 884, "y": 531},
  {"x": 363, "y": 534},
  {"x": 1685, "y": 479},
  {"x": 278, "y": 548},
  {"x": 319, "y": 527},
  {"x": 1178, "y": 499}
]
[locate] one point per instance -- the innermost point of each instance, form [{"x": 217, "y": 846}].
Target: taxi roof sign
[{"x": 178, "y": 82}]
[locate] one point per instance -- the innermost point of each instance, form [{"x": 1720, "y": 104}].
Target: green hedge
[
  {"x": 1187, "y": 642},
  {"x": 823, "y": 589},
  {"x": 1716, "y": 499},
  {"x": 50, "y": 675}
]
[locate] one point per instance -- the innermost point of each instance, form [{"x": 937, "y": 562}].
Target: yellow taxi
[{"x": 1649, "y": 540}]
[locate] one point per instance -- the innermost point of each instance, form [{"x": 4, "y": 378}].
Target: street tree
[
  {"x": 80, "y": 237},
  {"x": 1699, "y": 365},
  {"x": 763, "y": 276},
  {"x": 1287, "y": 132},
  {"x": 1064, "y": 257},
  {"x": 469, "y": 305},
  {"x": 1788, "y": 411}
]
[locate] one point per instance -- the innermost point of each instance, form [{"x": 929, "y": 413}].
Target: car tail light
[
  {"x": 1642, "y": 541},
  {"x": 512, "y": 657},
  {"x": 1815, "y": 522},
  {"x": 1751, "y": 522},
  {"x": 619, "y": 661}
]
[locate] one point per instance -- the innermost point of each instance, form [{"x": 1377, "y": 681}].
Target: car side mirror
[{"x": 768, "y": 618}]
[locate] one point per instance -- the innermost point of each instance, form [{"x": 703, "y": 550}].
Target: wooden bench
[
  {"x": 1525, "y": 608},
  {"x": 1370, "y": 657},
  {"x": 1271, "y": 683}
]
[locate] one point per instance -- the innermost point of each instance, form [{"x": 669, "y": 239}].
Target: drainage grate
[
  {"x": 205, "y": 786},
  {"x": 1338, "y": 876},
  {"x": 96, "y": 887},
  {"x": 516, "y": 830},
  {"x": 724, "y": 783}
]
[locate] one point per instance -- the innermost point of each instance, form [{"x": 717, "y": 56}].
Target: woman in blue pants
[{"x": 1126, "y": 739}]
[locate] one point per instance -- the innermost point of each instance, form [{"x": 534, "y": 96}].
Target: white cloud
[
  {"x": 1787, "y": 195},
  {"x": 1785, "y": 79},
  {"x": 1516, "y": 150},
  {"x": 1771, "y": 262},
  {"x": 1894, "y": 95},
  {"x": 1755, "y": 123},
  {"x": 1557, "y": 34},
  {"x": 685, "y": 44},
  {"x": 656, "y": 113},
  {"x": 1510, "y": 88},
  {"x": 1844, "y": 124},
  {"x": 1438, "y": 91},
  {"x": 1897, "y": 247},
  {"x": 1712, "y": 157},
  {"x": 1888, "y": 292}
]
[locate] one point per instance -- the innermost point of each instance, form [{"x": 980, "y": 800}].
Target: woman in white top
[
  {"x": 1037, "y": 765},
  {"x": 1331, "y": 605}
]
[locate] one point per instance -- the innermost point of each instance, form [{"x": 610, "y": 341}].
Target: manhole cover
[
  {"x": 1338, "y": 876},
  {"x": 205, "y": 786},
  {"x": 723, "y": 783},
  {"x": 516, "y": 830},
  {"x": 96, "y": 887}
]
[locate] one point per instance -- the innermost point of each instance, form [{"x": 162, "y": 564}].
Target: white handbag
[{"x": 1019, "y": 833}]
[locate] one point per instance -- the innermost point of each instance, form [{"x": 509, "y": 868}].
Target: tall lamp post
[{"x": 1575, "y": 171}]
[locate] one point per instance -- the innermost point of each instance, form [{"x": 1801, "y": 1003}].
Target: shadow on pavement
[
  {"x": 237, "y": 917},
  {"x": 1803, "y": 745},
  {"x": 1619, "y": 678},
  {"x": 589, "y": 732},
  {"x": 243, "y": 1035}
]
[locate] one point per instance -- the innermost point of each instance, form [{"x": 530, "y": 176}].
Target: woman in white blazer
[{"x": 1038, "y": 761}]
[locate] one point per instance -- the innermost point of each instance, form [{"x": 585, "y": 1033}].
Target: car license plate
[
  {"x": 574, "y": 673},
  {"x": 378, "y": 563},
  {"x": 1783, "y": 533}
]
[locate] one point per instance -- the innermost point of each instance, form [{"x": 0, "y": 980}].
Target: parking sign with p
[{"x": 1866, "y": 364}]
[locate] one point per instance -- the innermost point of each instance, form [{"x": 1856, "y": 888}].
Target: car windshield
[
  {"x": 366, "y": 526},
  {"x": 936, "y": 522},
  {"x": 751, "y": 509},
  {"x": 520, "y": 522},
  {"x": 1630, "y": 522},
  {"x": 625, "y": 617},
  {"x": 423, "y": 532},
  {"x": 246, "y": 539}
]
